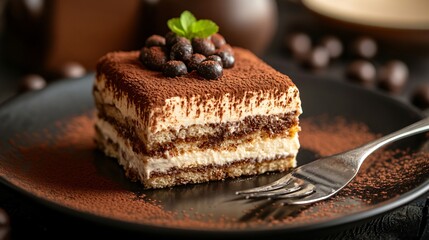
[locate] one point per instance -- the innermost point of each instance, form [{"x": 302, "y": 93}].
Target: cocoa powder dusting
[{"x": 61, "y": 164}]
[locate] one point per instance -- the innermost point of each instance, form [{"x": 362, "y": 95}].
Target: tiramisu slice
[{"x": 167, "y": 131}]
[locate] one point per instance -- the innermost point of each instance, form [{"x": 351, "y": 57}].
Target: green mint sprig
[{"x": 187, "y": 26}]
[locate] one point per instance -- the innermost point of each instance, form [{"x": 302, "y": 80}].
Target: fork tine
[
  {"x": 317, "y": 196},
  {"x": 323, "y": 192},
  {"x": 269, "y": 187},
  {"x": 305, "y": 190},
  {"x": 293, "y": 186}
]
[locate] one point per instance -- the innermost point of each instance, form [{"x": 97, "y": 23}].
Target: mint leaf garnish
[
  {"x": 188, "y": 26},
  {"x": 175, "y": 26},
  {"x": 186, "y": 20},
  {"x": 204, "y": 28}
]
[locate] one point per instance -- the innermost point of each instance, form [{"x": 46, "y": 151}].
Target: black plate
[{"x": 33, "y": 125}]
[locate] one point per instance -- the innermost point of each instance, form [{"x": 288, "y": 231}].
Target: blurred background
[{"x": 382, "y": 45}]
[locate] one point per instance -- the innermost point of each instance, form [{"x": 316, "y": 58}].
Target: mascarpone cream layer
[
  {"x": 259, "y": 149},
  {"x": 180, "y": 112}
]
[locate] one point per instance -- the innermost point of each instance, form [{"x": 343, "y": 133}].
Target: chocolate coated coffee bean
[
  {"x": 174, "y": 68},
  {"x": 171, "y": 38},
  {"x": 195, "y": 60},
  {"x": 32, "y": 82},
  {"x": 204, "y": 46},
  {"x": 228, "y": 60},
  {"x": 215, "y": 58},
  {"x": 4, "y": 225},
  {"x": 364, "y": 47},
  {"x": 420, "y": 96},
  {"x": 393, "y": 76},
  {"x": 361, "y": 71},
  {"x": 182, "y": 51},
  {"x": 225, "y": 48},
  {"x": 298, "y": 43},
  {"x": 317, "y": 58},
  {"x": 155, "y": 40},
  {"x": 154, "y": 57},
  {"x": 210, "y": 70},
  {"x": 333, "y": 45},
  {"x": 218, "y": 40},
  {"x": 72, "y": 70}
]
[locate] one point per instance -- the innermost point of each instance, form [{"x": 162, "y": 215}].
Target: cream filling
[
  {"x": 179, "y": 112},
  {"x": 259, "y": 149}
]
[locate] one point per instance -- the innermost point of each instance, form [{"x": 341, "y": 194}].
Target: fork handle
[{"x": 413, "y": 129}]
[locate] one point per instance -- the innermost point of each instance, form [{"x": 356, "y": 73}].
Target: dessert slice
[
  {"x": 214, "y": 112},
  {"x": 168, "y": 131}
]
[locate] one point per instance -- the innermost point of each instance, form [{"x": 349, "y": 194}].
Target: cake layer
[
  {"x": 207, "y": 142},
  {"x": 196, "y": 174},
  {"x": 156, "y": 103},
  {"x": 204, "y": 136},
  {"x": 212, "y": 173},
  {"x": 258, "y": 150}
]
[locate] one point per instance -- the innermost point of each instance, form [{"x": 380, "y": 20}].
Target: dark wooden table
[{"x": 31, "y": 219}]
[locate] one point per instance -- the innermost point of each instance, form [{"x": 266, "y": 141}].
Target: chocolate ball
[
  {"x": 225, "y": 48},
  {"x": 155, "y": 40},
  {"x": 420, "y": 96},
  {"x": 317, "y": 58},
  {"x": 298, "y": 44},
  {"x": 218, "y": 40},
  {"x": 154, "y": 57},
  {"x": 182, "y": 51},
  {"x": 72, "y": 70},
  {"x": 171, "y": 38},
  {"x": 32, "y": 82},
  {"x": 333, "y": 45},
  {"x": 361, "y": 71},
  {"x": 4, "y": 225},
  {"x": 195, "y": 60},
  {"x": 210, "y": 70},
  {"x": 393, "y": 76},
  {"x": 364, "y": 47},
  {"x": 215, "y": 58},
  {"x": 204, "y": 46},
  {"x": 174, "y": 68},
  {"x": 228, "y": 60}
]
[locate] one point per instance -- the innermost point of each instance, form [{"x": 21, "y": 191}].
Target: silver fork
[{"x": 324, "y": 177}]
